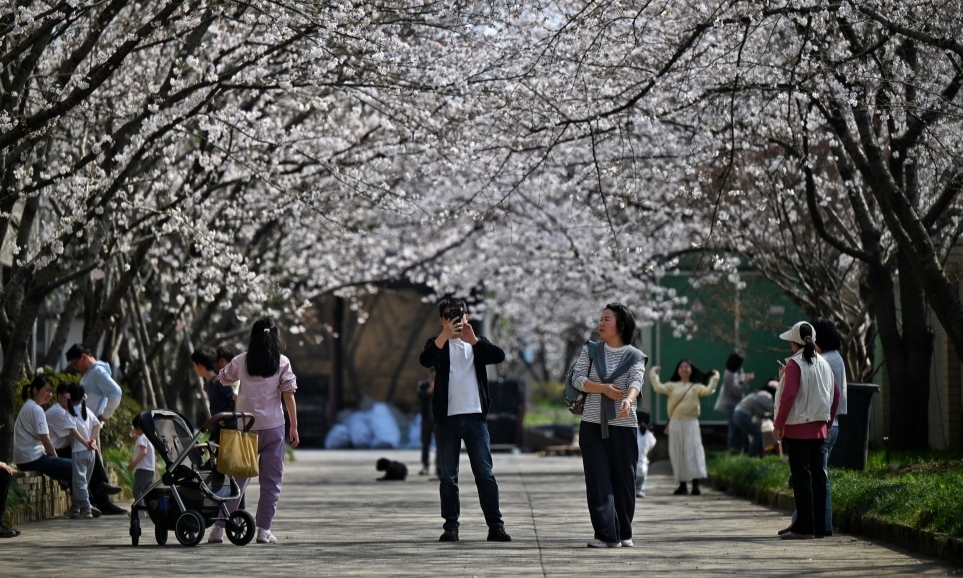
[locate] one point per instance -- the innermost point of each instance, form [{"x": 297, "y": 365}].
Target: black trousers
[
  {"x": 808, "y": 483},
  {"x": 610, "y": 465},
  {"x": 5, "y": 479}
]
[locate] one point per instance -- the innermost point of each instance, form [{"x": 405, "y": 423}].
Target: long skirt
[{"x": 685, "y": 450}]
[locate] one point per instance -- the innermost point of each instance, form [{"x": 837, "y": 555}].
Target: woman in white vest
[{"x": 806, "y": 404}]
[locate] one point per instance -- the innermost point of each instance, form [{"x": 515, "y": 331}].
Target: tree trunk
[
  {"x": 15, "y": 364},
  {"x": 907, "y": 351}
]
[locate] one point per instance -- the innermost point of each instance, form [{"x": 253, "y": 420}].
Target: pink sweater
[{"x": 258, "y": 395}]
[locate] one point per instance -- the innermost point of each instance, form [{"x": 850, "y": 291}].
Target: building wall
[{"x": 946, "y": 376}]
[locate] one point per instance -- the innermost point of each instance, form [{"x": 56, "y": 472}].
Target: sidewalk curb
[{"x": 913, "y": 539}]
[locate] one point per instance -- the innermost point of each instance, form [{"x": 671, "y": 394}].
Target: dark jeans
[
  {"x": 743, "y": 423},
  {"x": 55, "y": 467},
  {"x": 828, "y": 446},
  {"x": 449, "y": 434},
  {"x": 809, "y": 483},
  {"x": 735, "y": 439},
  {"x": 5, "y": 479},
  {"x": 610, "y": 465}
]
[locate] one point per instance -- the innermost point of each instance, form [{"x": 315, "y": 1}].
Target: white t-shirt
[
  {"x": 85, "y": 427},
  {"x": 31, "y": 424},
  {"x": 59, "y": 423},
  {"x": 463, "y": 396},
  {"x": 148, "y": 462}
]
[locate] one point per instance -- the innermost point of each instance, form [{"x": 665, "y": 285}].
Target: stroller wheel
[
  {"x": 240, "y": 528},
  {"x": 134, "y": 531},
  {"x": 160, "y": 534},
  {"x": 189, "y": 528}
]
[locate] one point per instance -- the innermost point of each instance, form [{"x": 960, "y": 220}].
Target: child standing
[
  {"x": 142, "y": 464},
  {"x": 646, "y": 441},
  {"x": 83, "y": 434}
]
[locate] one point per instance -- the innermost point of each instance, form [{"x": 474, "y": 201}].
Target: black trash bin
[
  {"x": 852, "y": 443},
  {"x": 507, "y": 414}
]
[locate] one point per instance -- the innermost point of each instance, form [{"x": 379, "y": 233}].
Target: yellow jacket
[{"x": 683, "y": 396}]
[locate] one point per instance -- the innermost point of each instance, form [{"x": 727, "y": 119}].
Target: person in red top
[{"x": 806, "y": 404}]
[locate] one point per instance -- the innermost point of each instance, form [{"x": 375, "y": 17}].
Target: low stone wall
[{"x": 44, "y": 499}]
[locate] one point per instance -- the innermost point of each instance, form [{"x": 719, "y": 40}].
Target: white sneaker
[
  {"x": 596, "y": 543},
  {"x": 266, "y": 537},
  {"x": 217, "y": 535},
  {"x": 628, "y": 543}
]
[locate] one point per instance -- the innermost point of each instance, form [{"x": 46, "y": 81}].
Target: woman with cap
[{"x": 806, "y": 404}]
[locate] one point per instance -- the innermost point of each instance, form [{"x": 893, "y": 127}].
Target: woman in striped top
[{"x": 607, "y": 433}]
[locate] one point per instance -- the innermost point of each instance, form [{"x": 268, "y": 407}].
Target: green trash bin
[{"x": 852, "y": 443}]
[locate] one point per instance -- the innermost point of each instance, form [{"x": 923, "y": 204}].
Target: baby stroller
[{"x": 192, "y": 494}]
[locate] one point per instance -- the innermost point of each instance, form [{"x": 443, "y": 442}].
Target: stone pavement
[{"x": 334, "y": 519}]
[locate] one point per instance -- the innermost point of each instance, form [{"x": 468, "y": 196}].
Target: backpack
[{"x": 575, "y": 399}]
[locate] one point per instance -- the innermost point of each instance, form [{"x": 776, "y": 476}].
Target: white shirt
[
  {"x": 59, "y": 423},
  {"x": 85, "y": 427},
  {"x": 463, "y": 396},
  {"x": 31, "y": 424},
  {"x": 148, "y": 462}
]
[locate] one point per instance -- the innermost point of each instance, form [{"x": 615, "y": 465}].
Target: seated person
[{"x": 750, "y": 412}]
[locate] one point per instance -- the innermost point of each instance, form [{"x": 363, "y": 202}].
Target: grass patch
[
  {"x": 549, "y": 413},
  {"x": 920, "y": 490}
]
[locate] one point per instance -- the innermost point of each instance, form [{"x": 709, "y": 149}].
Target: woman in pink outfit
[{"x": 267, "y": 382}]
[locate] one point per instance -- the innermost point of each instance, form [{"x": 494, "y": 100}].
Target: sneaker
[
  {"x": 640, "y": 494},
  {"x": 596, "y": 543},
  {"x": 681, "y": 490},
  {"x": 72, "y": 514},
  {"x": 6, "y": 532},
  {"x": 498, "y": 535},
  {"x": 266, "y": 537},
  {"x": 628, "y": 543},
  {"x": 95, "y": 512},
  {"x": 217, "y": 535},
  {"x": 450, "y": 535},
  {"x": 85, "y": 513},
  {"x": 423, "y": 472},
  {"x": 794, "y": 536}
]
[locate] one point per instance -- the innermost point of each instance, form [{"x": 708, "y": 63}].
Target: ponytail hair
[
  {"x": 36, "y": 384},
  {"x": 264, "y": 350},
  {"x": 807, "y": 333},
  {"x": 76, "y": 393}
]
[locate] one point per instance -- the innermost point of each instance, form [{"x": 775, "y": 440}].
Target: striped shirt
[{"x": 630, "y": 379}]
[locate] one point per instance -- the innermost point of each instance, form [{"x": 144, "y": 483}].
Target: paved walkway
[{"x": 336, "y": 520}]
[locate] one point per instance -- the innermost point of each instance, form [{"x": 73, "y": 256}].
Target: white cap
[{"x": 793, "y": 334}]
